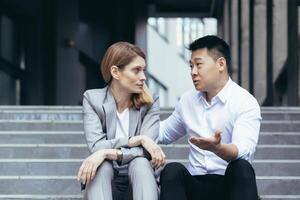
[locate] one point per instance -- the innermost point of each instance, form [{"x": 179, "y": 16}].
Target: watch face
[{"x": 119, "y": 155}]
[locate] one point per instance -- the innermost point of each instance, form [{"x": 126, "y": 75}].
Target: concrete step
[
  {"x": 280, "y": 197},
  {"x": 78, "y": 137},
  {"x": 37, "y": 196},
  {"x": 77, "y": 125},
  {"x": 69, "y": 167},
  {"x": 41, "y": 185},
  {"x": 265, "y": 138},
  {"x": 40, "y": 125},
  {"x": 280, "y": 126},
  {"x": 75, "y": 113},
  {"x": 278, "y": 185},
  {"x": 171, "y": 151},
  {"x": 42, "y": 137},
  {"x": 67, "y": 185},
  {"x": 41, "y": 115}
]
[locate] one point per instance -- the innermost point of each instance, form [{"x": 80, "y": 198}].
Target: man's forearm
[{"x": 227, "y": 152}]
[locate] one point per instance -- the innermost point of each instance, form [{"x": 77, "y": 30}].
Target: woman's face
[{"x": 132, "y": 76}]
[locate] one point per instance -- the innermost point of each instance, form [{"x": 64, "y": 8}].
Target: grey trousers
[{"x": 141, "y": 177}]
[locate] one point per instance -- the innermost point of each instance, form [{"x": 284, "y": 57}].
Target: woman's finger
[
  {"x": 80, "y": 171},
  {"x": 89, "y": 172},
  {"x": 94, "y": 169}
]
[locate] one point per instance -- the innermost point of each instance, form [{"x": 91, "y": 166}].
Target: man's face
[{"x": 205, "y": 71}]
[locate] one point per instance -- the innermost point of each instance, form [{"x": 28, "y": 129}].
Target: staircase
[{"x": 41, "y": 149}]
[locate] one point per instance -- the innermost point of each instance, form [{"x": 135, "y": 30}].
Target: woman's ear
[{"x": 114, "y": 70}]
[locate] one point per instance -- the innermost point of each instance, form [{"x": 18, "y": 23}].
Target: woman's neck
[{"x": 122, "y": 98}]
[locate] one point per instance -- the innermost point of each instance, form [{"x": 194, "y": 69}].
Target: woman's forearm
[{"x": 109, "y": 154}]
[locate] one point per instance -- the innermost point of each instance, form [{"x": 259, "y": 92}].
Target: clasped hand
[
  {"x": 158, "y": 158},
  {"x": 88, "y": 168}
]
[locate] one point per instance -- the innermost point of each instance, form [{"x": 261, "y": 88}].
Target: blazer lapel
[
  {"x": 133, "y": 120},
  {"x": 110, "y": 111}
]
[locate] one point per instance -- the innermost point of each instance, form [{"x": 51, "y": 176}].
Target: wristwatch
[{"x": 119, "y": 155}]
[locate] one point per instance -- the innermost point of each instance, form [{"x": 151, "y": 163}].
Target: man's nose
[{"x": 194, "y": 70}]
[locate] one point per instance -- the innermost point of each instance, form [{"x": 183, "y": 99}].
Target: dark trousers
[
  {"x": 238, "y": 183},
  {"x": 121, "y": 188}
]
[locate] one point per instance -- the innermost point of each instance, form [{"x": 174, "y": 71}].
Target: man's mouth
[{"x": 195, "y": 82}]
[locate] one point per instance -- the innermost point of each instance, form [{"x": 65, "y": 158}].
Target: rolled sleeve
[{"x": 246, "y": 131}]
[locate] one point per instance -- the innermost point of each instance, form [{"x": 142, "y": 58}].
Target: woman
[{"x": 120, "y": 123}]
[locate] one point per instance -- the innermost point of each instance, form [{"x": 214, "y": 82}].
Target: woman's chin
[{"x": 137, "y": 91}]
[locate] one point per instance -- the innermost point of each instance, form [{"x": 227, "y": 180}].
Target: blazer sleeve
[
  {"x": 96, "y": 138},
  {"x": 149, "y": 127}
]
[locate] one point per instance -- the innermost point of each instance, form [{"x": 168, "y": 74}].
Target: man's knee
[
  {"x": 171, "y": 171},
  {"x": 240, "y": 168}
]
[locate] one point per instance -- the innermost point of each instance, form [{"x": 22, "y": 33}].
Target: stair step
[
  {"x": 280, "y": 197},
  {"x": 40, "y": 125},
  {"x": 40, "y": 137},
  {"x": 278, "y": 185},
  {"x": 66, "y": 185},
  {"x": 171, "y": 151},
  {"x": 292, "y": 138},
  {"x": 69, "y": 167},
  {"x": 32, "y": 196},
  {"x": 77, "y": 125},
  {"x": 77, "y": 137},
  {"x": 41, "y": 185}
]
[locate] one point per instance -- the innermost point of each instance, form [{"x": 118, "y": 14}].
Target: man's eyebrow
[{"x": 195, "y": 59}]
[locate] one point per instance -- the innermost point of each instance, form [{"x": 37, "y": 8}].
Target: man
[{"x": 222, "y": 121}]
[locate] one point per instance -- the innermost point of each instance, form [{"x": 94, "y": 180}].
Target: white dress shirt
[{"x": 233, "y": 111}]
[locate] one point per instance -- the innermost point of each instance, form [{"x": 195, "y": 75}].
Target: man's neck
[{"x": 214, "y": 91}]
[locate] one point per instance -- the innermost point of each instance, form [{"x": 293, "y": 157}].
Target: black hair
[{"x": 216, "y": 47}]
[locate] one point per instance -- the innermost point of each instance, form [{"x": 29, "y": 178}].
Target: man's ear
[
  {"x": 222, "y": 64},
  {"x": 114, "y": 70}
]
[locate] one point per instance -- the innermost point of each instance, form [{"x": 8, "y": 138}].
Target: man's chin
[{"x": 198, "y": 88}]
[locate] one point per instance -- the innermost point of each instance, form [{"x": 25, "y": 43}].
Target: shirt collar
[
  {"x": 222, "y": 95},
  {"x": 224, "y": 92}
]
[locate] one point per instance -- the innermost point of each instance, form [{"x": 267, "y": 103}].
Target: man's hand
[
  {"x": 227, "y": 152},
  {"x": 210, "y": 144},
  {"x": 157, "y": 155}
]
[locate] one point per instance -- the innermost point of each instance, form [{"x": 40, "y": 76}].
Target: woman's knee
[
  {"x": 140, "y": 166},
  {"x": 105, "y": 169}
]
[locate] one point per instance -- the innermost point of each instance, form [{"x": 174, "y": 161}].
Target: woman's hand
[
  {"x": 88, "y": 168},
  {"x": 157, "y": 155}
]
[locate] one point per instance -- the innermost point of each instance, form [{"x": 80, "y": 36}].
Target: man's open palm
[{"x": 205, "y": 143}]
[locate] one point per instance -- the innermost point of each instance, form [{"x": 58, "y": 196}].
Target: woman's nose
[{"x": 143, "y": 76}]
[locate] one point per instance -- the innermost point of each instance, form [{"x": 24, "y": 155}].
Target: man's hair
[{"x": 215, "y": 46}]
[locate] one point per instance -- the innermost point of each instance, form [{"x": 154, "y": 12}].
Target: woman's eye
[{"x": 136, "y": 70}]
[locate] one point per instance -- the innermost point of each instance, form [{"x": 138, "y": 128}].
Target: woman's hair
[{"x": 121, "y": 54}]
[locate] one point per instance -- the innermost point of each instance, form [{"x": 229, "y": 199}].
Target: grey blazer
[{"x": 99, "y": 111}]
